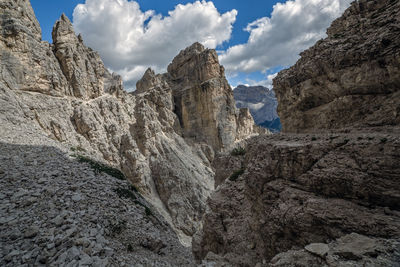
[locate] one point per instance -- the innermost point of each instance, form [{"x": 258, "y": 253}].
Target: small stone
[
  {"x": 319, "y": 249},
  {"x": 73, "y": 253},
  {"x": 58, "y": 220},
  {"x": 85, "y": 242},
  {"x": 42, "y": 180},
  {"x": 50, "y": 246},
  {"x": 108, "y": 251},
  {"x": 31, "y": 232},
  {"x": 76, "y": 197},
  {"x": 251, "y": 246},
  {"x": 93, "y": 232},
  {"x": 85, "y": 260}
]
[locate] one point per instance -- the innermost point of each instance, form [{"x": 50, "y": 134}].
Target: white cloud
[
  {"x": 266, "y": 83},
  {"x": 130, "y": 40},
  {"x": 277, "y": 40}
]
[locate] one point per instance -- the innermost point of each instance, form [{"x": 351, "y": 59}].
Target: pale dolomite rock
[{"x": 63, "y": 92}]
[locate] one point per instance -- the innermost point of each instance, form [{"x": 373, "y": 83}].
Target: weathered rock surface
[
  {"x": 56, "y": 211},
  {"x": 62, "y": 92},
  {"x": 195, "y": 76},
  {"x": 260, "y": 101},
  {"x": 350, "y": 250},
  {"x": 82, "y": 66},
  {"x": 351, "y": 78},
  {"x": 302, "y": 189},
  {"x": 320, "y": 199}
]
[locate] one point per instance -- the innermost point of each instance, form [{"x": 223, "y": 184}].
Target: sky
[{"x": 254, "y": 39}]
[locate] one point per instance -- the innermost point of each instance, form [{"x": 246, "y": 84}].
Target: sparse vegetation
[
  {"x": 239, "y": 151},
  {"x": 236, "y": 174},
  {"x": 313, "y": 138},
  {"x": 117, "y": 227},
  {"x": 125, "y": 193},
  {"x": 130, "y": 248},
  {"x": 383, "y": 140},
  {"x": 99, "y": 167},
  {"x": 78, "y": 149}
]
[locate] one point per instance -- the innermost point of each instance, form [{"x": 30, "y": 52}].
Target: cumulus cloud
[
  {"x": 130, "y": 40},
  {"x": 277, "y": 40}
]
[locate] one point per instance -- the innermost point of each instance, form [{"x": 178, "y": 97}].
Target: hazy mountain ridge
[{"x": 262, "y": 103}]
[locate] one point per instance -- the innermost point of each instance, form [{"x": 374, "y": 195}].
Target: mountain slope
[
  {"x": 329, "y": 195},
  {"x": 62, "y": 94}
]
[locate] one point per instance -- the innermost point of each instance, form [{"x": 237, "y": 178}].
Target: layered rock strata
[
  {"x": 302, "y": 189},
  {"x": 62, "y": 91},
  {"x": 330, "y": 197},
  {"x": 351, "y": 78},
  {"x": 196, "y": 77}
]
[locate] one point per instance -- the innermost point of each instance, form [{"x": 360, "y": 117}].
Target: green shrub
[
  {"x": 99, "y": 167},
  {"x": 313, "y": 138},
  {"x": 78, "y": 148},
  {"x": 148, "y": 211},
  {"x": 130, "y": 248},
  {"x": 236, "y": 174},
  {"x": 239, "y": 151},
  {"x": 125, "y": 193},
  {"x": 117, "y": 227}
]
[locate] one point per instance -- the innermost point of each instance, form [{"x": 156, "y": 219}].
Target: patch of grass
[
  {"x": 148, "y": 211},
  {"x": 239, "y": 151},
  {"x": 133, "y": 188},
  {"x": 125, "y": 193},
  {"x": 99, "y": 167},
  {"x": 383, "y": 140},
  {"x": 78, "y": 149},
  {"x": 117, "y": 227},
  {"x": 235, "y": 175}
]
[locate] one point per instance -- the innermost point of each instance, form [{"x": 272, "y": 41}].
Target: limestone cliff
[
  {"x": 163, "y": 137},
  {"x": 320, "y": 199},
  {"x": 195, "y": 76},
  {"x": 295, "y": 190},
  {"x": 351, "y": 78}
]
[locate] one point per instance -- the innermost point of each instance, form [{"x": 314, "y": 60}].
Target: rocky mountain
[
  {"x": 262, "y": 104},
  {"x": 68, "y": 127},
  {"x": 351, "y": 78},
  {"x": 327, "y": 195}
]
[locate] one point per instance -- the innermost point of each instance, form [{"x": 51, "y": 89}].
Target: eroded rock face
[
  {"x": 286, "y": 200},
  {"x": 26, "y": 62},
  {"x": 195, "y": 76},
  {"x": 81, "y": 65},
  {"x": 64, "y": 92},
  {"x": 351, "y": 78},
  {"x": 301, "y": 189}
]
